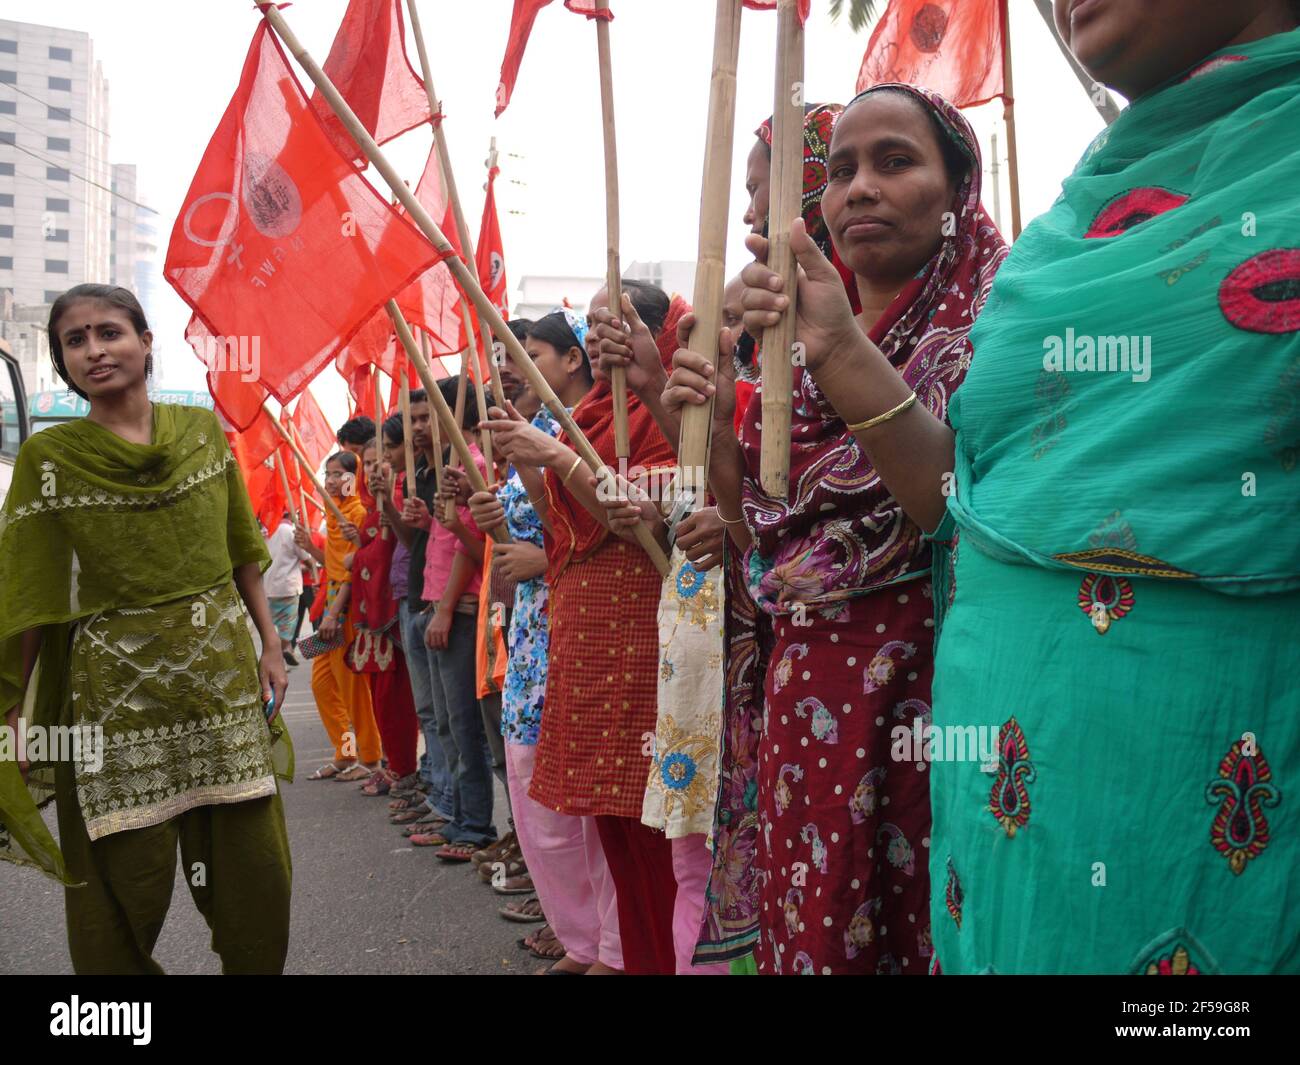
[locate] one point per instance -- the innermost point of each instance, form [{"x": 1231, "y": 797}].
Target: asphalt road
[{"x": 364, "y": 900}]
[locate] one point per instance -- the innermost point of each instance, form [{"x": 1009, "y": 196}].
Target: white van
[{"x": 14, "y": 424}]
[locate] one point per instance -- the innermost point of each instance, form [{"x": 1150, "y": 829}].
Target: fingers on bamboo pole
[
  {"x": 441, "y": 409},
  {"x": 710, "y": 271},
  {"x": 786, "y": 197}
]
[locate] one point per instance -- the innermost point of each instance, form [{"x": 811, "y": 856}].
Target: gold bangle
[
  {"x": 576, "y": 463},
  {"x": 880, "y": 419},
  {"x": 729, "y": 521}
]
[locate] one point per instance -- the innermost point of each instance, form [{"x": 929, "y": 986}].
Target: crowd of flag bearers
[{"x": 709, "y": 616}]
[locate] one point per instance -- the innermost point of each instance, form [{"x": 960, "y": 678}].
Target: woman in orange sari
[{"x": 342, "y": 697}]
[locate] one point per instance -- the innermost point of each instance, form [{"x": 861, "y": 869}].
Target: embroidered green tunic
[{"x": 124, "y": 554}]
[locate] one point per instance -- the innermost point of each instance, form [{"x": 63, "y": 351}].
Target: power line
[
  {"x": 47, "y": 103},
  {"x": 80, "y": 177}
]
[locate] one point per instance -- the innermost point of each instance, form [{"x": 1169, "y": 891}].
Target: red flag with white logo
[
  {"x": 491, "y": 255},
  {"x": 280, "y": 243}
]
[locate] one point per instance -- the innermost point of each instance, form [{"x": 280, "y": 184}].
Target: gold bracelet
[
  {"x": 576, "y": 463},
  {"x": 729, "y": 521},
  {"x": 880, "y": 419}
]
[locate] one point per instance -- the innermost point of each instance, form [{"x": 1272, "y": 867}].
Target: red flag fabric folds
[
  {"x": 521, "y": 25},
  {"x": 368, "y": 65},
  {"x": 490, "y": 253},
  {"x": 280, "y": 243},
  {"x": 315, "y": 436},
  {"x": 432, "y": 300},
  {"x": 954, "y": 47},
  {"x": 770, "y": 5},
  {"x": 236, "y": 392}
]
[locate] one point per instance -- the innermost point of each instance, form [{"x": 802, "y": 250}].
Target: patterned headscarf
[{"x": 841, "y": 532}]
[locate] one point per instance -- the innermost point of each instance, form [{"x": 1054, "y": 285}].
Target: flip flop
[
  {"x": 455, "y": 852},
  {"x": 328, "y": 771},
  {"x": 425, "y": 826},
  {"x": 429, "y": 839},
  {"x": 527, "y": 912}
]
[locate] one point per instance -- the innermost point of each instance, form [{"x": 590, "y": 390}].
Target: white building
[{"x": 55, "y": 221}]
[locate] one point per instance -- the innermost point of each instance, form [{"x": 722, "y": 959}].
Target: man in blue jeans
[{"x": 435, "y": 807}]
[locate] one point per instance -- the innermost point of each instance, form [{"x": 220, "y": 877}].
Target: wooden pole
[
  {"x": 449, "y": 183},
  {"x": 710, "y": 270},
  {"x": 1009, "y": 117},
  {"x": 441, "y": 409},
  {"x": 306, "y": 468},
  {"x": 784, "y": 208},
  {"x": 379, "y": 444},
  {"x": 433, "y": 424},
  {"x": 613, "y": 272},
  {"x": 299, "y": 519},
  {"x": 465, "y": 278},
  {"x": 408, "y": 448}
]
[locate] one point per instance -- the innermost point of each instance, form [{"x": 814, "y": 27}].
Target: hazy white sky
[{"x": 172, "y": 68}]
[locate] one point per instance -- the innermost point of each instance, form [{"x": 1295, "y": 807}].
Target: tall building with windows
[{"x": 55, "y": 178}]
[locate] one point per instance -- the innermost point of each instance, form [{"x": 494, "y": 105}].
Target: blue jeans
[
  {"x": 460, "y": 730},
  {"x": 433, "y": 763}
]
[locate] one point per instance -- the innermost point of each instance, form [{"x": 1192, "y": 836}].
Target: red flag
[
  {"x": 521, "y": 25},
  {"x": 491, "y": 255},
  {"x": 236, "y": 392},
  {"x": 375, "y": 344},
  {"x": 369, "y": 67},
  {"x": 954, "y": 48},
  {"x": 315, "y": 436},
  {"x": 362, "y": 386},
  {"x": 770, "y": 5},
  {"x": 432, "y": 301},
  {"x": 280, "y": 242}
]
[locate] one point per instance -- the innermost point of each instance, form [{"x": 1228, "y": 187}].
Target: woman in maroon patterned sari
[{"x": 839, "y": 573}]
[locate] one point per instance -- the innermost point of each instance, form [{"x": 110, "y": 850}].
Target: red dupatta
[{"x": 575, "y": 533}]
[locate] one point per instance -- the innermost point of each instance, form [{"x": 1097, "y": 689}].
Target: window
[
  {"x": 7, "y": 136},
  {"x": 58, "y": 144},
  {"x": 51, "y": 204},
  {"x": 61, "y": 53},
  {"x": 8, "y": 107},
  {"x": 6, "y": 262},
  {"x": 60, "y": 83},
  {"x": 59, "y": 236},
  {"x": 8, "y": 77},
  {"x": 6, "y": 199},
  {"x": 56, "y": 266},
  {"x": 6, "y": 169},
  {"x": 58, "y": 114},
  {"x": 9, "y": 46},
  {"x": 6, "y": 231},
  {"x": 56, "y": 173},
  {"x": 51, "y": 294}
]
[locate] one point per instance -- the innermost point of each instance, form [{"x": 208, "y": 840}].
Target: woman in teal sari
[
  {"x": 128, "y": 554},
  {"x": 1117, "y": 495}
]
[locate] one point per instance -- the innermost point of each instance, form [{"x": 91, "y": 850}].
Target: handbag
[{"x": 315, "y": 645}]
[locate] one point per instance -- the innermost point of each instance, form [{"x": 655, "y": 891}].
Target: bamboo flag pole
[
  {"x": 613, "y": 271},
  {"x": 306, "y": 468},
  {"x": 443, "y": 412},
  {"x": 453, "y": 196},
  {"x": 379, "y": 442},
  {"x": 784, "y": 205},
  {"x": 408, "y": 448},
  {"x": 465, "y": 278},
  {"x": 298, "y": 518},
  {"x": 710, "y": 270},
  {"x": 434, "y": 430},
  {"x": 1009, "y": 117}
]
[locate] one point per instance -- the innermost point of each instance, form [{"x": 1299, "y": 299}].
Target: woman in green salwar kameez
[
  {"x": 126, "y": 545},
  {"x": 1121, "y": 586}
]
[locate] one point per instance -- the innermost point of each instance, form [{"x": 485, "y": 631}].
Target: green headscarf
[
  {"x": 1180, "y": 227},
  {"x": 94, "y": 523}
]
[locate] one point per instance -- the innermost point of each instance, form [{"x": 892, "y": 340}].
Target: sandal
[
  {"x": 510, "y": 867},
  {"x": 429, "y": 839},
  {"x": 410, "y": 801},
  {"x": 527, "y": 912},
  {"x": 425, "y": 826},
  {"x": 546, "y": 946},
  {"x": 380, "y": 783},
  {"x": 357, "y": 772},
  {"x": 330, "y": 770},
  {"x": 493, "y": 851},
  {"x": 516, "y": 885},
  {"x": 455, "y": 852},
  {"x": 407, "y": 817}
]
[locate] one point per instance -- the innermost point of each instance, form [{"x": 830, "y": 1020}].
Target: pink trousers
[
  {"x": 692, "y": 867},
  {"x": 567, "y": 864}
]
